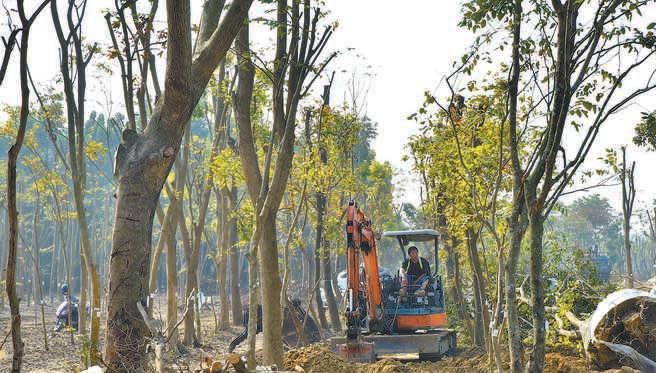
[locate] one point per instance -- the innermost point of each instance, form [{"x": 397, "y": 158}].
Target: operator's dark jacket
[{"x": 416, "y": 269}]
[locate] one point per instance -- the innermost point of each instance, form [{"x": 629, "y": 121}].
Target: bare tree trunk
[
  {"x": 237, "y": 317},
  {"x": 36, "y": 276},
  {"x": 270, "y": 285},
  {"x": 537, "y": 292},
  {"x": 223, "y": 235},
  {"x": 333, "y": 309},
  {"x": 253, "y": 296},
  {"x": 518, "y": 220},
  {"x": 317, "y": 289},
  {"x": 4, "y": 226},
  {"x": 172, "y": 275}
]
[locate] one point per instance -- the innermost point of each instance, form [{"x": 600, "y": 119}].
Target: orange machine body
[{"x": 419, "y": 321}]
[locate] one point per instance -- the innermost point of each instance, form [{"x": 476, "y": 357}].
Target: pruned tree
[
  {"x": 142, "y": 164},
  {"x": 293, "y": 64}
]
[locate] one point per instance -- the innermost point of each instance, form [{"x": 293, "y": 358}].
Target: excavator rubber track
[{"x": 430, "y": 346}]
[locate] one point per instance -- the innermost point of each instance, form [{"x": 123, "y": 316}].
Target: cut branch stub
[{"x": 142, "y": 159}]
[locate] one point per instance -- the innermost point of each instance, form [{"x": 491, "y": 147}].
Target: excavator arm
[{"x": 361, "y": 239}]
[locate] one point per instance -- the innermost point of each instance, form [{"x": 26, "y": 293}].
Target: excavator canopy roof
[{"x": 417, "y": 235}]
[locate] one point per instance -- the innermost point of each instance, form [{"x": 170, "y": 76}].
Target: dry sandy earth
[{"x": 64, "y": 356}]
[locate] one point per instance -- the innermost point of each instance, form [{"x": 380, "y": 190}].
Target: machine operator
[{"x": 416, "y": 271}]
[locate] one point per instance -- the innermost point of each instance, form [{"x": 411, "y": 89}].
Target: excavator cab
[{"x": 413, "y": 313}]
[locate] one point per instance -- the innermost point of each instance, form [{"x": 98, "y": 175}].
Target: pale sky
[{"x": 399, "y": 49}]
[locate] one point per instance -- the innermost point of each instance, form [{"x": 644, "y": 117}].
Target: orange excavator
[{"x": 382, "y": 317}]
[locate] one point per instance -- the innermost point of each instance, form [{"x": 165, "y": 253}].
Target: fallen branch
[
  {"x": 644, "y": 364},
  {"x": 564, "y": 332},
  {"x": 238, "y": 363}
]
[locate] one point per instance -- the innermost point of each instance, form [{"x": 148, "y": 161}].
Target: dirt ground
[
  {"x": 318, "y": 358},
  {"x": 63, "y": 356}
]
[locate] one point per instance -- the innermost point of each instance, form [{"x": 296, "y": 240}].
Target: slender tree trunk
[
  {"x": 223, "y": 234},
  {"x": 333, "y": 309},
  {"x": 37, "y": 286},
  {"x": 253, "y": 295},
  {"x": 517, "y": 230},
  {"x": 479, "y": 328},
  {"x": 518, "y": 218},
  {"x": 237, "y": 316},
  {"x": 314, "y": 284},
  {"x": 318, "y": 253},
  {"x": 172, "y": 276},
  {"x": 4, "y": 226},
  {"x": 191, "y": 284},
  {"x": 628, "y": 197}
]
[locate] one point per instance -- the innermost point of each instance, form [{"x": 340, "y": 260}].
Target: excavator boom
[{"x": 360, "y": 239}]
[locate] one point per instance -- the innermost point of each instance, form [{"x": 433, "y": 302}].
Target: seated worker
[{"x": 416, "y": 269}]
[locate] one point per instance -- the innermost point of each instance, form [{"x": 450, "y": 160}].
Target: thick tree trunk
[
  {"x": 536, "y": 231},
  {"x": 516, "y": 231},
  {"x": 270, "y": 285},
  {"x": 129, "y": 266}
]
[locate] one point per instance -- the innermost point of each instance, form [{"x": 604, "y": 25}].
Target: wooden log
[{"x": 238, "y": 363}]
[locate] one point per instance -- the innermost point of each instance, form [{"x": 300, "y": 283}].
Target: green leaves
[{"x": 645, "y": 131}]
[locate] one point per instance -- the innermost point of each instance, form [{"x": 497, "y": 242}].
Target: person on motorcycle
[
  {"x": 415, "y": 269},
  {"x": 69, "y": 305}
]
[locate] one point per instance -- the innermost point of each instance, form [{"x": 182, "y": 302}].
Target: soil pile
[{"x": 319, "y": 358}]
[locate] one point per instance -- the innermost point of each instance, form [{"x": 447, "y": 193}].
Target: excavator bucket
[{"x": 359, "y": 352}]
